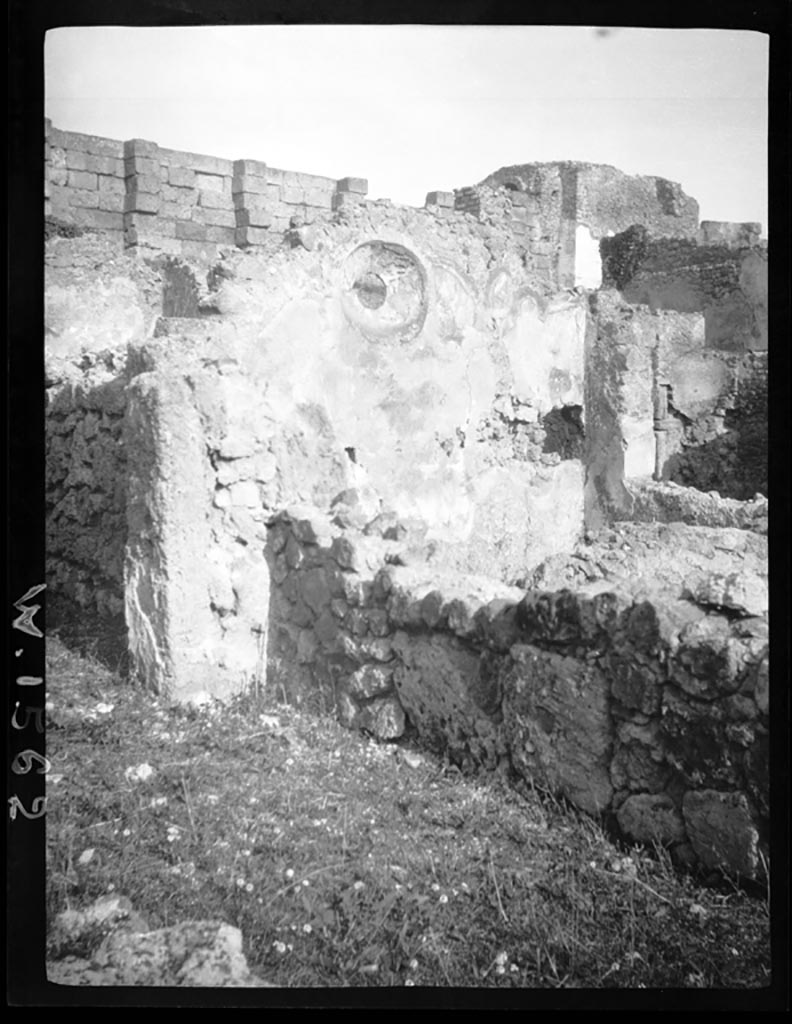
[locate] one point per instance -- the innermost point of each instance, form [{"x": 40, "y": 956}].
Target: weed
[{"x": 348, "y": 862}]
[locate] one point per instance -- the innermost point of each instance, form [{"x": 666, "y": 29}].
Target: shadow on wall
[
  {"x": 564, "y": 432},
  {"x": 105, "y": 639},
  {"x": 86, "y": 516},
  {"x": 734, "y": 464}
]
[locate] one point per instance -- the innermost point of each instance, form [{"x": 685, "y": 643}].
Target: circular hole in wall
[
  {"x": 384, "y": 291},
  {"x": 371, "y": 290}
]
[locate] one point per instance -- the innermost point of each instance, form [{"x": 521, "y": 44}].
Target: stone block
[
  {"x": 249, "y": 183},
  {"x": 177, "y": 211},
  {"x": 142, "y": 227},
  {"x": 558, "y": 728},
  {"x": 254, "y": 167},
  {"x": 370, "y": 681},
  {"x": 190, "y": 231},
  {"x": 78, "y": 197},
  {"x": 383, "y": 717},
  {"x": 437, "y": 679},
  {"x": 636, "y": 681},
  {"x": 77, "y": 142},
  {"x": 179, "y": 194},
  {"x": 358, "y": 185},
  {"x": 708, "y": 662},
  {"x": 245, "y": 493},
  {"x": 99, "y": 219},
  {"x": 745, "y": 593},
  {"x": 315, "y": 589},
  {"x": 82, "y": 180},
  {"x": 650, "y": 819},
  {"x": 77, "y": 161},
  {"x": 220, "y": 218},
  {"x": 112, "y": 185},
  {"x": 722, "y": 831},
  {"x": 251, "y": 236},
  {"x": 639, "y": 762},
  {"x": 444, "y": 199},
  {"x": 347, "y": 200},
  {"x": 198, "y": 162},
  {"x": 254, "y": 217},
  {"x": 321, "y": 198},
  {"x": 214, "y": 200},
  {"x": 182, "y": 176},
  {"x": 209, "y": 182},
  {"x": 291, "y": 195},
  {"x": 143, "y": 183},
  {"x": 134, "y": 148},
  {"x": 733, "y": 234},
  {"x": 141, "y": 202},
  {"x": 141, "y": 165}
]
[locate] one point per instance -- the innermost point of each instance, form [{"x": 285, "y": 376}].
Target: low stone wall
[
  {"x": 647, "y": 707},
  {"x": 664, "y": 501}
]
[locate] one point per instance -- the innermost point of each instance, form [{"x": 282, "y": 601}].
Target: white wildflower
[{"x": 138, "y": 773}]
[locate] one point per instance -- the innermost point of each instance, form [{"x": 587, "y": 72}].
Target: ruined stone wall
[
  {"x": 725, "y": 279},
  {"x": 329, "y": 455},
  {"x": 561, "y": 205},
  {"x": 646, "y": 706},
  {"x": 398, "y": 357},
  {"x": 97, "y": 300},
  {"x": 725, "y": 449},
  {"x": 527, "y": 223},
  {"x": 86, "y": 497},
  {"x": 665, "y": 397}
]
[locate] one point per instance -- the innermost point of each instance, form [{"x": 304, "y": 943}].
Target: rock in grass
[{"x": 110, "y": 945}]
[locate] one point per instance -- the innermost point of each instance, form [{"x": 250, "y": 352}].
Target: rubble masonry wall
[{"x": 646, "y": 706}]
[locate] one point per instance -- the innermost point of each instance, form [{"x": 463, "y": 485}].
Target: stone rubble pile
[{"x": 109, "y": 944}]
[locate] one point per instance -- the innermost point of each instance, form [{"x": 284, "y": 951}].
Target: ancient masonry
[{"x": 493, "y": 471}]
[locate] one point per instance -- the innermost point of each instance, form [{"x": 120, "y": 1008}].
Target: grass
[{"x": 347, "y": 862}]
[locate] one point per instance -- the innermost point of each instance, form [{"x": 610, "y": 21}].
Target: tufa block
[{"x": 359, "y": 185}]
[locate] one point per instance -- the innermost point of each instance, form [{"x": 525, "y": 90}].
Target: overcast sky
[{"x": 419, "y": 108}]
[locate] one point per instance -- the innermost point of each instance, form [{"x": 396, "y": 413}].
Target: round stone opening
[{"x": 371, "y": 290}]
